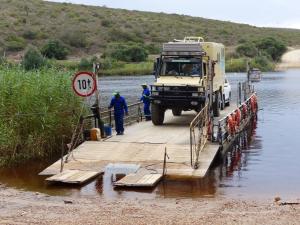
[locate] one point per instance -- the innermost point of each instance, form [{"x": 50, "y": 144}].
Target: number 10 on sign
[{"x": 84, "y": 84}]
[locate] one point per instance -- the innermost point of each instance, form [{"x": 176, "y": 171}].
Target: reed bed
[{"x": 37, "y": 108}]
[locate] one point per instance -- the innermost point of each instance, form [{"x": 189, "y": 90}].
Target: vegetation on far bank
[
  {"x": 262, "y": 54},
  {"x": 36, "y": 109},
  {"x": 88, "y": 30}
]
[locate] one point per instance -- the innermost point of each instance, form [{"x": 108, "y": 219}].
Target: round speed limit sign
[{"x": 84, "y": 84}]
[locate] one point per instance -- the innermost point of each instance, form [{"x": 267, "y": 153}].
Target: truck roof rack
[
  {"x": 193, "y": 39},
  {"x": 182, "y": 48}
]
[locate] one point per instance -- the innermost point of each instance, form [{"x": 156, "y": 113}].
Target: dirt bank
[
  {"x": 18, "y": 207},
  {"x": 291, "y": 59}
]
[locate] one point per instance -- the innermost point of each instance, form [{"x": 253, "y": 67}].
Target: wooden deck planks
[
  {"x": 73, "y": 176},
  {"x": 139, "y": 180},
  {"x": 143, "y": 144}
]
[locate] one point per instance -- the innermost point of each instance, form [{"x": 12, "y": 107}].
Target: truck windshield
[{"x": 182, "y": 67}]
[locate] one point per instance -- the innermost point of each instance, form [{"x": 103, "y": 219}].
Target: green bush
[
  {"x": 15, "y": 43},
  {"x": 85, "y": 64},
  {"x": 75, "y": 38},
  {"x": 106, "y": 23},
  {"x": 119, "y": 35},
  {"x": 127, "y": 52},
  {"x": 263, "y": 63},
  {"x": 29, "y": 34},
  {"x": 247, "y": 49},
  {"x": 152, "y": 48},
  {"x": 32, "y": 59},
  {"x": 273, "y": 47},
  {"x": 55, "y": 49}
]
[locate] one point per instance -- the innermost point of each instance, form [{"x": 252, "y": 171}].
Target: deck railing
[
  {"x": 198, "y": 135},
  {"x": 223, "y": 127},
  {"x": 135, "y": 114}
]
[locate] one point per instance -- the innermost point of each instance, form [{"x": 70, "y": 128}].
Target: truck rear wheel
[
  {"x": 176, "y": 112},
  {"x": 157, "y": 114},
  {"x": 216, "y": 104}
]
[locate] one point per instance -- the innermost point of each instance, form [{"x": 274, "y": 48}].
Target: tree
[
  {"x": 54, "y": 49},
  {"x": 33, "y": 59},
  {"x": 127, "y": 52},
  {"x": 247, "y": 49},
  {"x": 273, "y": 47}
]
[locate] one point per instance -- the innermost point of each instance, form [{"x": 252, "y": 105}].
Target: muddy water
[{"x": 268, "y": 165}]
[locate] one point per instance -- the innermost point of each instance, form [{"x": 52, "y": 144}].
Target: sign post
[{"x": 84, "y": 84}]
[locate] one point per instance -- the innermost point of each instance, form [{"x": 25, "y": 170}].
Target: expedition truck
[{"x": 182, "y": 77}]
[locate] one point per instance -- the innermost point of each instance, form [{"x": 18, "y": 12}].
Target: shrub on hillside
[
  {"x": 127, "y": 52},
  {"x": 273, "y": 47},
  {"x": 29, "y": 34},
  {"x": 119, "y": 35},
  {"x": 153, "y": 49},
  {"x": 32, "y": 59},
  {"x": 106, "y": 23},
  {"x": 55, "y": 49},
  {"x": 247, "y": 49},
  {"x": 15, "y": 43},
  {"x": 75, "y": 38},
  {"x": 268, "y": 47}
]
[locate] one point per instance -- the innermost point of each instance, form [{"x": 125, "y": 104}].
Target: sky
[{"x": 262, "y": 13}]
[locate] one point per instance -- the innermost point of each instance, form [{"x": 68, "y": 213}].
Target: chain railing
[{"x": 198, "y": 135}]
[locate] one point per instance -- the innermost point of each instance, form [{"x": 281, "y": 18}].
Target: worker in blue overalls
[
  {"x": 146, "y": 100},
  {"x": 120, "y": 105}
]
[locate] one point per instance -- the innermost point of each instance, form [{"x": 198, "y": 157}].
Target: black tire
[
  {"x": 176, "y": 112},
  {"x": 216, "y": 105},
  {"x": 157, "y": 114}
]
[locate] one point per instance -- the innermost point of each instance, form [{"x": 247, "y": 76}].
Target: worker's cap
[
  {"x": 115, "y": 93},
  {"x": 144, "y": 85}
]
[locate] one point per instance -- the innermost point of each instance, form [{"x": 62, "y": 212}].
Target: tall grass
[{"x": 36, "y": 109}]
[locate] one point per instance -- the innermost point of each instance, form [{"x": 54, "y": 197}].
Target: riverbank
[
  {"x": 18, "y": 207},
  {"x": 290, "y": 59}
]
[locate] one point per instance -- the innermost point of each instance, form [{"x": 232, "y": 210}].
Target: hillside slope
[{"x": 88, "y": 29}]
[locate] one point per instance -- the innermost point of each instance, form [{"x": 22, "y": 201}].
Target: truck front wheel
[
  {"x": 176, "y": 112},
  {"x": 157, "y": 114}
]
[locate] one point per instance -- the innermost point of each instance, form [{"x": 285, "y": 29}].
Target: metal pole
[{"x": 96, "y": 68}]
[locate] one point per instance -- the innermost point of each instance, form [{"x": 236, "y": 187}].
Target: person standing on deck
[
  {"x": 120, "y": 105},
  {"x": 146, "y": 100}
]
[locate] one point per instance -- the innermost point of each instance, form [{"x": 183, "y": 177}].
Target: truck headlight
[
  {"x": 194, "y": 103},
  {"x": 155, "y": 94},
  {"x": 195, "y": 94},
  {"x": 201, "y": 89}
]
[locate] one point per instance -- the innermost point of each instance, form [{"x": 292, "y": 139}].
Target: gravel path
[{"x": 18, "y": 207}]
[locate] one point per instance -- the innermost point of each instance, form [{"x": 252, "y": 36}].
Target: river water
[{"x": 267, "y": 167}]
